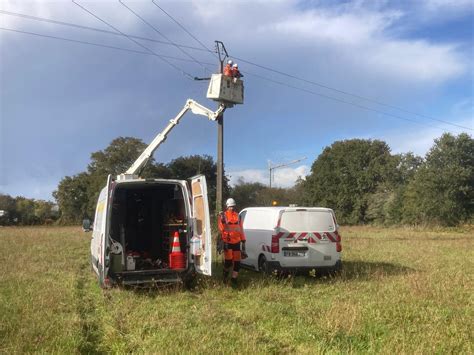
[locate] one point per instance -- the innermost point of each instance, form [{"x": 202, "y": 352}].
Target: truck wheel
[{"x": 262, "y": 264}]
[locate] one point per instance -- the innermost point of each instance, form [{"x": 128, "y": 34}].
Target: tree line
[
  {"x": 365, "y": 183},
  {"x": 25, "y": 211},
  {"x": 360, "y": 179}
]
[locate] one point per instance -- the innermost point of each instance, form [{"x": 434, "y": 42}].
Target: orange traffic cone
[{"x": 176, "y": 258}]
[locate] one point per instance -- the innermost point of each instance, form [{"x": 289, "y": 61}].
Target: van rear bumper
[
  {"x": 320, "y": 270},
  {"x": 151, "y": 276}
]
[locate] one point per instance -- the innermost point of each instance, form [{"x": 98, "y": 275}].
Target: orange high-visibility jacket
[
  {"x": 231, "y": 227},
  {"x": 228, "y": 70}
]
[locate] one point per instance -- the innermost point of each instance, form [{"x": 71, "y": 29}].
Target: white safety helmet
[
  {"x": 235, "y": 65},
  {"x": 230, "y": 202},
  {"x": 230, "y": 62}
]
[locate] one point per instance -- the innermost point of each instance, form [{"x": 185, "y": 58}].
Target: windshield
[{"x": 307, "y": 221}]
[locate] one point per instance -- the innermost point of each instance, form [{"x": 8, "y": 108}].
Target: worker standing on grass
[{"x": 233, "y": 239}]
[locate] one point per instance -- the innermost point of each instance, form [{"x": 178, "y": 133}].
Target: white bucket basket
[{"x": 226, "y": 89}]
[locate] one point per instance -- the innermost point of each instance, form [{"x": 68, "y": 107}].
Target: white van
[
  {"x": 135, "y": 222},
  {"x": 291, "y": 239}
]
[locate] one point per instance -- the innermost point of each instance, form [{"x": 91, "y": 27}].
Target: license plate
[{"x": 294, "y": 253}]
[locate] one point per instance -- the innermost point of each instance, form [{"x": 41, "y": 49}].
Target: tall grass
[{"x": 402, "y": 291}]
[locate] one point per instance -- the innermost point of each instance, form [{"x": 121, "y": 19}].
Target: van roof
[
  {"x": 134, "y": 181},
  {"x": 287, "y": 208}
]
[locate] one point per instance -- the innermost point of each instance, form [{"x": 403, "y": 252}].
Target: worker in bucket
[
  {"x": 233, "y": 240},
  {"x": 236, "y": 72},
  {"x": 228, "y": 68}
]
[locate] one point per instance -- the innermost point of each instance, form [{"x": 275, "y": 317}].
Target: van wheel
[
  {"x": 262, "y": 264},
  {"x": 190, "y": 281}
]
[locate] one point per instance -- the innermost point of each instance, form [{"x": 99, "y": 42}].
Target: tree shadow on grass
[
  {"x": 351, "y": 271},
  {"x": 368, "y": 270}
]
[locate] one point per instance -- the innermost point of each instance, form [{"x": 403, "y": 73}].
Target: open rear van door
[
  {"x": 202, "y": 224},
  {"x": 104, "y": 261}
]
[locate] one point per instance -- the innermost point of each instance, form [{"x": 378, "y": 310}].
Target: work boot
[
  {"x": 233, "y": 282},
  {"x": 225, "y": 277}
]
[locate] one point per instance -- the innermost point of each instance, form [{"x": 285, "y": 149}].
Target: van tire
[
  {"x": 262, "y": 264},
  {"x": 190, "y": 281}
]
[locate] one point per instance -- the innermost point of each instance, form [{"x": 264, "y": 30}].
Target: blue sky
[{"x": 61, "y": 101}]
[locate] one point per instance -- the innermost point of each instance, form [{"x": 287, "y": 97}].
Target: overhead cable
[
  {"x": 245, "y": 72},
  {"x": 208, "y": 50},
  {"x": 314, "y": 82},
  {"x": 99, "y": 45},
  {"x": 161, "y": 34},
  {"x": 346, "y": 102},
  {"x": 189, "y": 76},
  {"x": 350, "y": 94},
  {"x": 182, "y": 27},
  {"x": 69, "y": 24}
]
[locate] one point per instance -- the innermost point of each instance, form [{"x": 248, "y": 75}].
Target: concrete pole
[{"x": 220, "y": 155}]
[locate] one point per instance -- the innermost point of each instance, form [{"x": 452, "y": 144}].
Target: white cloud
[
  {"x": 446, "y": 5},
  {"x": 420, "y": 141},
  {"x": 364, "y": 32},
  {"x": 109, "y": 10},
  {"x": 333, "y": 26},
  {"x": 352, "y": 30},
  {"x": 359, "y": 38},
  {"x": 284, "y": 177}
]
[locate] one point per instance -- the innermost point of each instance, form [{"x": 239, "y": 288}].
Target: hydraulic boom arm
[{"x": 192, "y": 105}]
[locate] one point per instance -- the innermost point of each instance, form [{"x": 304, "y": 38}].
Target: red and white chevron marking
[
  {"x": 312, "y": 237},
  {"x": 309, "y": 237}
]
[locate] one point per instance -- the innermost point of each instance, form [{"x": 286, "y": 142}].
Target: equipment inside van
[
  {"x": 153, "y": 230},
  {"x": 158, "y": 230},
  {"x": 295, "y": 239},
  {"x": 144, "y": 219}
]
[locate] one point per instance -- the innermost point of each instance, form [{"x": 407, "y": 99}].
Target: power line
[
  {"x": 189, "y": 76},
  {"x": 248, "y": 73},
  {"x": 207, "y": 50},
  {"x": 97, "y": 44},
  {"x": 350, "y": 94},
  {"x": 182, "y": 27},
  {"x": 245, "y": 72},
  {"x": 346, "y": 102},
  {"x": 69, "y": 24},
  {"x": 316, "y": 83},
  {"x": 161, "y": 34}
]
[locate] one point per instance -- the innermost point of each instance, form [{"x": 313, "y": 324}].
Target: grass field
[{"x": 401, "y": 291}]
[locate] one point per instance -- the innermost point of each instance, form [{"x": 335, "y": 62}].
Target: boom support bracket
[{"x": 196, "y": 108}]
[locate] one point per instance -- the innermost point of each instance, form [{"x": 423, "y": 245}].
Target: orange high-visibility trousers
[{"x": 232, "y": 253}]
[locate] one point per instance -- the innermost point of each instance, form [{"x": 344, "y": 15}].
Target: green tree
[
  {"x": 256, "y": 194},
  {"x": 247, "y": 194},
  {"x": 25, "y": 209},
  {"x": 345, "y": 174},
  {"x": 385, "y": 204},
  {"x": 77, "y": 195},
  {"x": 442, "y": 189},
  {"x": 72, "y": 197},
  {"x": 119, "y": 156},
  {"x": 8, "y": 205},
  {"x": 185, "y": 167},
  {"x": 116, "y": 159},
  {"x": 407, "y": 165},
  {"x": 43, "y": 210}
]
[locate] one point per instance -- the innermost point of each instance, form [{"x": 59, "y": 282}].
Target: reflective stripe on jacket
[
  {"x": 230, "y": 227},
  {"x": 228, "y": 70}
]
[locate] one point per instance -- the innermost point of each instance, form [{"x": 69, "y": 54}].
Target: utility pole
[
  {"x": 222, "y": 52},
  {"x": 272, "y": 168}
]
